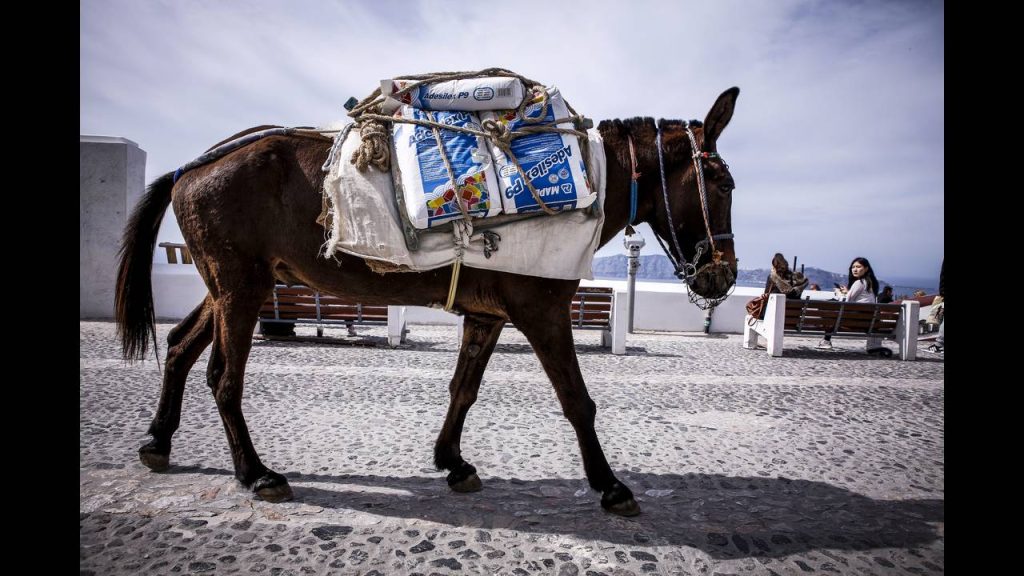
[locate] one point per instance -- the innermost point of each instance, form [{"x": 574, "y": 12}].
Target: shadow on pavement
[{"x": 726, "y": 517}]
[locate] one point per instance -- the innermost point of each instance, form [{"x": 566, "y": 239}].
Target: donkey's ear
[{"x": 719, "y": 116}]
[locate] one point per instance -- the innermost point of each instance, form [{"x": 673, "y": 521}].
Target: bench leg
[
  {"x": 618, "y": 322},
  {"x": 775, "y": 323},
  {"x": 396, "y": 325},
  {"x": 907, "y": 328},
  {"x": 749, "y": 334},
  {"x": 606, "y": 338}
]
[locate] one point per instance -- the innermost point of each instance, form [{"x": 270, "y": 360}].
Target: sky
[{"x": 836, "y": 144}]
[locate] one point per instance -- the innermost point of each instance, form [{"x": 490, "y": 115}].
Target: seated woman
[
  {"x": 782, "y": 280},
  {"x": 863, "y": 288}
]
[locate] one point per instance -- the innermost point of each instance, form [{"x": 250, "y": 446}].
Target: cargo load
[
  {"x": 423, "y": 178},
  {"x": 470, "y": 94},
  {"x": 552, "y": 161}
]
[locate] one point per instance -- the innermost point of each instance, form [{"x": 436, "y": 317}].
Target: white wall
[
  {"x": 112, "y": 174},
  {"x": 663, "y": 306},
  {"x": 177, "y": 289}
]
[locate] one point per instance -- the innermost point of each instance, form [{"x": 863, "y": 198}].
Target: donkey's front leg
[
  {"x": 550, "y": 333},
  {"x": 480, "y": 334}
]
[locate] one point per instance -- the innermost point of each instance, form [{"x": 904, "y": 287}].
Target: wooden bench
[
  {"x": 173, "y": 248},
  {"x": 591, "y": 309},
  {"x": 303, "y": 305},
  {"x": 896, "y": 322}
]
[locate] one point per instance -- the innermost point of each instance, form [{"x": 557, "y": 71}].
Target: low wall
[{"x": 662, "y": 306}]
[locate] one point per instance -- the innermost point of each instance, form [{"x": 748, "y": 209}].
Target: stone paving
[{"x": 816, "y": 462}]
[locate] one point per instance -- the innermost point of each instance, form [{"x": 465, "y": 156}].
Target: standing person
[
  {"x": 886, "y": 296},
  {"x": 782, "y": 280},
  {"x": 940, "y": 341},
  {"x": 863, "y": 288}
]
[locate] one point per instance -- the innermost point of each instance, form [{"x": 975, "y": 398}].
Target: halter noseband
[{"x": 684, "y": 270}]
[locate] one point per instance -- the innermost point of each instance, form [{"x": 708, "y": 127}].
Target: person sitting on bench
[
  {"x": 782, "y": 280},
  {"x": 863, "y": 287}
]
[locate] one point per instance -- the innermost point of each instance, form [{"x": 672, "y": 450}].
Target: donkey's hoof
[
  {"x": 153, "y": 459},
  {"x": 272, "y": 487},
  {"x": 464, "y": 479},
  {"x": 626, "y": 508},
  {"x": 470, "y": 483},
  {"x": 619, "y": 500}
]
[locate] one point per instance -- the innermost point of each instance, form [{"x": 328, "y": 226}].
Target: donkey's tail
[{"x": 133, "y": 296}]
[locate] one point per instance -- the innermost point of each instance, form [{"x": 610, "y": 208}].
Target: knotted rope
[
  {"x": 374, "y": 127},
  {"x": 375, "y": 147}
]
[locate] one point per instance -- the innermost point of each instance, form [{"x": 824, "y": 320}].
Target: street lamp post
[{"x": 633, "y": 244}]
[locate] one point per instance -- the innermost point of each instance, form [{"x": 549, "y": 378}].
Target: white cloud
[{"x": 836, "y": 144}]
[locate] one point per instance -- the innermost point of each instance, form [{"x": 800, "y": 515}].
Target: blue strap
[
  {"x": 227, "y": 147},
  {"x": 632, "y": 201}
]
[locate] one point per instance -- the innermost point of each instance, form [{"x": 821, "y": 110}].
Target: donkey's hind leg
[
  {"x": 479, "y": 336},
  {"x": 550, "y": 333},
  {"x": 185, "y": 344},
  {"x": 236, "y": 311}
]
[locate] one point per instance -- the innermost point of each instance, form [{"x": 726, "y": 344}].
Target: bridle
[{"x": 684, "y": 270}]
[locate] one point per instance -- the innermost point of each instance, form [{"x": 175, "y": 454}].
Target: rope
[
  {"x": 701, "y": 187},
  {"x": 339, "y": 139},
  {"x": 664, "y": 194},
  {"x": 633, "y": 182},
  {"x": 462, "y": 230},
  {"x": 501, "y": 137},
  {"x": 453, "y": 286},
  {"x": 375, "y": 149},
  {"x": 521, "y": 111},
  {"x": 448, "y": 167}
]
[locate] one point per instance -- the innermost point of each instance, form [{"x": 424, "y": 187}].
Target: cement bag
[
  {"x": 552, "y": 161},
  {"x": 422, "y": 176},
  {"x": 489, "y": 93}
]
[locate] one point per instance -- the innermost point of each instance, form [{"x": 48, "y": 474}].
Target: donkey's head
[{"x": 686, "y": 191}]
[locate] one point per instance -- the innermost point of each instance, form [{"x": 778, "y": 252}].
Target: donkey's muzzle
[{"x": 713, "y": 280}]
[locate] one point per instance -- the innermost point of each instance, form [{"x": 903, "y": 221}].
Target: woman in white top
[{"x": 863, "y": 287}]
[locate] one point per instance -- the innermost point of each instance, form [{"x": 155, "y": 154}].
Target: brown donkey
[{"x": 250, "y": 217}]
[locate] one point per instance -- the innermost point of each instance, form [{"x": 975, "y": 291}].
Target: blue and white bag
[
  {"x": 551, "y": 160},
  {"x": 488, "y": 93},
  {"x": 429, "y": 198}
]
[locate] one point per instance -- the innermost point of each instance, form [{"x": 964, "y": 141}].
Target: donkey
[{"x": 249, "y": 218}]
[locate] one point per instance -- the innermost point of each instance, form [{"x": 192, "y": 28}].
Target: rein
[
  {"x": 634, "y": 180},
  {"x": 684, "y": 270}
]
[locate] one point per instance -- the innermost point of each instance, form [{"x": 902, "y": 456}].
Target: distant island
[{"x": 658, "y": 268}]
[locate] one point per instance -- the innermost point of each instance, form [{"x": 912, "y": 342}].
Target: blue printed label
[
  {"x": 550, "y": 161},
  {"x": 467, "y": 163}
]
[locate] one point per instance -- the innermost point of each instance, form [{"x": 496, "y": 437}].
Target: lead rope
[
  {"x": 682, "y": 267},
  {"x": 463, "y": 230},
  {"x": 461, "y": 235},
  {"x": 702, "y": 189},
  {"x": 634, "y": 181}
]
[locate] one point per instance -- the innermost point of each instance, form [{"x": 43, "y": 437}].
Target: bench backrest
[
  {"x": 300, "y": 303},
  {"x": 821, "y": 317},
  {"x": 592, "y": 307}
]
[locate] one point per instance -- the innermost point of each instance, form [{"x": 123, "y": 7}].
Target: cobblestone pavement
[{"x": 816, "y": 462}]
